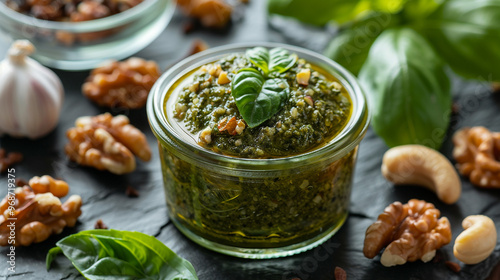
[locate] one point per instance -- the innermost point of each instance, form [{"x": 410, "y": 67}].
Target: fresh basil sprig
[
  {"x": 113, "y": 254},
  {"x": 276, "y": 60},
  {"x": 258, "y": 99},
  {"x": 464, "y": 34}
]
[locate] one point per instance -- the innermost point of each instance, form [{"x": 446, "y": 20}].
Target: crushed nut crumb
[
  {"x": 8, "y": 159},
  {"x": 99, "y": 224},
  {"x": 340, "y": 273},
  {"x": 131, "y": 192}
]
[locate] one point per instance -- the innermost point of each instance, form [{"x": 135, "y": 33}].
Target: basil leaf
[
  {"x": 417, "y": 9},
  {"x": 258, "y": 99},
  {"x": 280, "y": 60},
  {"x": 113, "y": 254},
  {"x": 467, "y": 35},
  {"x": 51, "y": 255},
  {"x": 393, "y": 6},
  {"x": 276, "y": 60},
  {"x": 317, "y": 12},
  {"x": 259, "y": 57},
  {"x": 351, "y": 46},
  {"x": 408, "y": 89}
]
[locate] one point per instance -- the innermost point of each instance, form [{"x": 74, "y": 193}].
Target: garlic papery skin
[{"x": 31, "y": 95}]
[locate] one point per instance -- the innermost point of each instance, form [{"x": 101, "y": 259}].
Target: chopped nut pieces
[
  {"x": 131, "y": 192},
  {"x": 8, "y": 159},
  {"x": 99, "y": 224},
  {"x": 205, "y": 136},
  {"x": 340, "y": 274},
  {"x": 89, "y": 10},
  {"x": 107, "y": 143},
  {"x": 477, "y": 152},
  {"x": 71, "y": 10},
  {"x": 232, "y": 126},
  {"x": 309, "y": 101},
  {"x": 411, "y": 231},
  {"x": 38, "y": 215},
  {"x": 211, "y": 13},
  {"x": 453, "y": 266},
  {"x": 223, "y": 79},
  {"x": 122, "y": 84},
  {"x": 303, "y": 77}
]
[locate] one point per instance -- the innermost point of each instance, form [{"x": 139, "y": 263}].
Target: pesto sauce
[{"x": 312, "y": 115}]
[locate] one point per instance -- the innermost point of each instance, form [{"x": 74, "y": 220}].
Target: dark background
[{"x": 104, "y": 194}]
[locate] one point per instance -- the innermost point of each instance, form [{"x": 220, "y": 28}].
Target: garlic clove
[{"x": 31, "y": 95}]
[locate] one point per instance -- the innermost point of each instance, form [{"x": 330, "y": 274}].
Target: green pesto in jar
[{"x": 311, "y": 117}]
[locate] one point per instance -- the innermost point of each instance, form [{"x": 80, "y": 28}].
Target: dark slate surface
[{"x": 104, "y": 194}]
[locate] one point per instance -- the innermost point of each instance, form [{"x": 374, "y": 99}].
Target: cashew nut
[
  {"x": 419, "y": 165},
  {"x": 477, "y": 241}
]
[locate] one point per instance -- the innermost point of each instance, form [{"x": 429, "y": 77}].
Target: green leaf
[
  {"x": 350, "y": 48},
  {"x": 466, "y": 34},
  {"x": 408, "y": 89},
  {"x": 259, "y": 57},
  {"x": 280, "y": 60},
  {"x": 113, "y": 254},
  {"x": 276, "y": 60},
  {"x": 318, "y": 12},
  {"x": 418, "y": 9},
  {"x": 258, "y": 99},
  {"x": 51, "y": 255},
  {"x": 387, "y": 6}
]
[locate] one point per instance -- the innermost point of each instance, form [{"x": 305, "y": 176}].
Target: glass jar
[
  {"x": 84, "y": 45},
  {"x": 255, "y": 208}
]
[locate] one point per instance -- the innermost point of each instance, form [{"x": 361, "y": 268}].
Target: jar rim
[
  {"x": 345, "y": 141},
  {"x": 104, "y": 23}
]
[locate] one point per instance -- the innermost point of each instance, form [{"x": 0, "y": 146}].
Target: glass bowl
[
  {"x": 83, "y": 45},
  {"x": 255, "y": 208}
]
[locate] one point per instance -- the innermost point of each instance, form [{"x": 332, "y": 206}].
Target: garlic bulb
[{"x": 31, "y": 95}]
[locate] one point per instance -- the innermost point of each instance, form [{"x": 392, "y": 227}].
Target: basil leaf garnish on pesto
[
  {"x": 259, "y": 57},
  {"x": 114, "y": 254},
  {"x": 258, "y": 99},
  {"x": 280, "y": 60},
  {"x": 276, "y": 60}
]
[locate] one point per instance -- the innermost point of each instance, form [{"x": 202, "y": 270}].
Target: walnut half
[
  {"x": 29, "y": 216},
  {"x": 477, "y": 152},
  {"x": 107, "y": 143},
  {"x": 411, "y": 231},
  {"x": 122, "y": 84}
]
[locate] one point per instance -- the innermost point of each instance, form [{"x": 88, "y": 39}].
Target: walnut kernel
[
  {"x": 411, "y": 231},
  {"x": 37, "y": 215},
  {"x": 107, "y": 143},
  {"x": 211, "y": 13},
  {"x": 477, "y": 152},
  {"x": 122, "y": 84}
]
